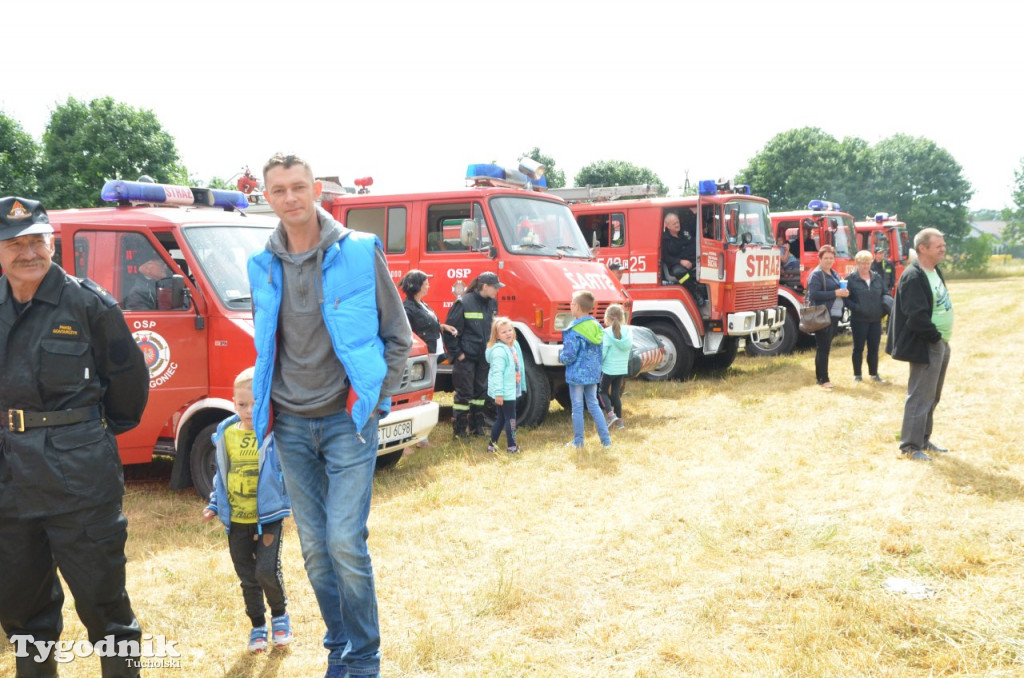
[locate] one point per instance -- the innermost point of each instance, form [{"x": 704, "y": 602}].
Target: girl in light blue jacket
[
  {"x": 615, "y": 350},
  {"x": 506, "y": 380}
]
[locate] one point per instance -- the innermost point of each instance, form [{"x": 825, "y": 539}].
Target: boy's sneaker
[
  {"x": 877, "y": 378},
  {"x": 491, "y": 447},
  {"x": 282, "y": 628},
  {"x": 513, "y": 449},
  {"x": 258, "y": 639}
]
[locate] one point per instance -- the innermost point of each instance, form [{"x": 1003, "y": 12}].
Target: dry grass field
[{"x": 742, "y": 525}]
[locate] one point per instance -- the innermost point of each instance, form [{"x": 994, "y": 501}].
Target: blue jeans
[
  {"x": 577, "y": 394},
  {"x": 329, "y": 472}
]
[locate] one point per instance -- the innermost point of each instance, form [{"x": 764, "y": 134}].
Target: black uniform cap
[{"x": 21, "y": 216}]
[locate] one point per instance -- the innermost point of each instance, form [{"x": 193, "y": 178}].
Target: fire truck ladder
[{"x": 602, "y": 193}]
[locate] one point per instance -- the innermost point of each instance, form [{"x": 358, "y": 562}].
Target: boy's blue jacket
[
  {"x": 501, "y": 378},
  {"x": 581, "y": 351},
  {"x": 272, "y": 503}
]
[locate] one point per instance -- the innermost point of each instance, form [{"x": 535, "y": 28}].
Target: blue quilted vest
[{"x": 350, "y": 314}]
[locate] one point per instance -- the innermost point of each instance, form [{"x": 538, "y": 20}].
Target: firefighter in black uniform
[
  {"x": 71, "y": 377},
  {"x": 884, "y": 268},
  {"x": 471, "y": 316}
]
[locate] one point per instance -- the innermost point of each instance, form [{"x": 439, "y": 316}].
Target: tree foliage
[
  {"x": 618, "y": 173},
  {"x": 804, "y": 164},
  {"x": 86, "y": 144},
  {"x": 556, "y": 177},
  {"x": 1013, "y": 232},
  {"x": 19, "y": 160},
  {"x": 908, "y": 176}
]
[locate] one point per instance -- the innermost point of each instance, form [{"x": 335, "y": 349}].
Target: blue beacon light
[
  {"x": 823, "y": 205},
  {"x": 121, "y": 191}
]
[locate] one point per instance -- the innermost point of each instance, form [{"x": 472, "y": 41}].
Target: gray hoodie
[{"x": 309, "y": 379}]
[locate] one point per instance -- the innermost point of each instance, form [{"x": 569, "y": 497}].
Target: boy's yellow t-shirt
[{"x": 243, "y": 473}]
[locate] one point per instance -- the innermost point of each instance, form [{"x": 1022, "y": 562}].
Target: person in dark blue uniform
[{"x": 71, "y": 378}]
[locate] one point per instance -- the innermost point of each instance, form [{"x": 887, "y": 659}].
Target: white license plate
[{"x": 389, "y": 433}]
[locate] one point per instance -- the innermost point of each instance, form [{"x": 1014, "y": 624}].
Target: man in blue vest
[{"x": 332, "y": 341}]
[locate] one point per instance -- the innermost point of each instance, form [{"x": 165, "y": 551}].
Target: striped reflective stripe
[
  {"x": 479, "y": 403},
  {"x": 473, "y": 315},
  {"x": 460, "y": 407}
]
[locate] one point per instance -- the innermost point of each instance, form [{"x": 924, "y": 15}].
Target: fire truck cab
[
  {"x": 194, "y": 323},
  {"x": 736, "y": 266},
  {"x": 822, "y": 223},
  {"x": 889, "y": 233},
  {"x": 502, "y": 223}
]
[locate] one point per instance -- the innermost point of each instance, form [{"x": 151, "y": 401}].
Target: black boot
[
  {"x": 477, "y": 424},
  {"x": 460, "y": 425}
]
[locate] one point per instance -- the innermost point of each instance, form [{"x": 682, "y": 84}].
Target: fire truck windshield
[
  {"x": 531, "y": 226},
  {"x": 748, "y": 217},
  {"x": 842, "y": 236},
  {"x": 222, "y": 253}
]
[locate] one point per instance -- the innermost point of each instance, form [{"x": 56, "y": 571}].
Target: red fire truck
[
  {"x": 736, "y": 265},
  {"x": 822, "y": 223},
  {"x": 501, "y": 222},
  {"x": 200, "y": 335},
  {"x": 889, "y": 233}
]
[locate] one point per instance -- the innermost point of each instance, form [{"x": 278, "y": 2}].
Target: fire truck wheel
[
  {"x": 533, "y": 407},
  {"x": 389, "y": 460},
  {"x": 781, "y": 343},
  {"x": 679, "y": 357},
  {"x": 202, "y": 461}
]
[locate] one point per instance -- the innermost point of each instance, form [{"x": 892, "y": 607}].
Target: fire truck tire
[
  {"x": 389, "y": 460},
  {"x": 781, "y": 344},
  {"x": 533, "y": 406},
  {"x": 679, "y": 357},
  {"x": 202, "y": 461}
]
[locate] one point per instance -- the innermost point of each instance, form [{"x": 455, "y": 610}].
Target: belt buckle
[{"x": 20, "y": 426}]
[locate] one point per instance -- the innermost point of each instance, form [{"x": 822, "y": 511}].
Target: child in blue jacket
[
  {"x": 250, "y": 499},
  {"x": 506, "y": 380},
  {"x": 581, "y": 355}
]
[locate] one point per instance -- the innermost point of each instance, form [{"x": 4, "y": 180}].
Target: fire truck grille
[
  {"x": 752, "y": 298},
  {"x": 598, "y": 312}
]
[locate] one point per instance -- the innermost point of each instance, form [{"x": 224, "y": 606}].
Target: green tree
[
  {"x": 19, "y": 160},
  {"x": 618, "y": 173},
  {"x": 971, "y": 255},
  {"x": 218, "y": 182},
  {"x": 86, "y": 144},
  {"x": 922, "y": 183},
  {"x": 1013, "y": 232},
  {"x": 556, "y": 177},
  {"x": 804, "y": 164}
]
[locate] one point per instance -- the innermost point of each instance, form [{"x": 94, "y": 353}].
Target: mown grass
[{"x": 742, "y": 525}]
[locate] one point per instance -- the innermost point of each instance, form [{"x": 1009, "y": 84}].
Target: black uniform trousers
[
  {"x": 257, "y": 561},
  {"x": 469, "y": 377},
  {"x": 88, "y": 547}
]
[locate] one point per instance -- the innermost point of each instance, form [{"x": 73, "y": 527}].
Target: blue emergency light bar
[
  {"x": 482, "y": 172},
  {"x": 712, "y": 187},
  {"x": 881, "y": 217},
  {"x": 707, "y": 187},
  {"x": 121, "y": 191},
  {"x": 823, "y": 206}
]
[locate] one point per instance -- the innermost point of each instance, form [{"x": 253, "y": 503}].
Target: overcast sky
[{"x": 411, "y": 92}]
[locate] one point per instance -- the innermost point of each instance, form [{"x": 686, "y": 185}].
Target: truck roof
[
  {"x": 168, "y": 216},
  {"x": 668, "y": 201}
]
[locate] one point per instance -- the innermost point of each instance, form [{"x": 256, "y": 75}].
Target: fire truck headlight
[
  {"x": 417, "y": 371},
  {"x": 562, "y": 320}
]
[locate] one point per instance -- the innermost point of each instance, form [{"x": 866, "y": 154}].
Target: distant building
[{"x": 992, "y": 228}]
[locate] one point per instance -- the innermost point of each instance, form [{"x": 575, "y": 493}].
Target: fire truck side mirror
[
  {"x": 492, "y": 253},
  {"x": 170, "y": 293}
]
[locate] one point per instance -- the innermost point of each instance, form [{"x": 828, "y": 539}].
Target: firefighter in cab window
[
  {"x": 679, "y": 252},
  {"x": 471, "y": 316},
  {"x": 71, "y": 378}
]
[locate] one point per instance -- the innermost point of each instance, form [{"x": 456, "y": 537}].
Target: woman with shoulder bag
[
  {"x": 868, "y": 292},
  {"x": 823, "y": 287}
]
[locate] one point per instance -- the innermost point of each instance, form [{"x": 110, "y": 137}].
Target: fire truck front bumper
[
  {"x": 745, "y": 323},
  {"x": 405, "y": 427}
]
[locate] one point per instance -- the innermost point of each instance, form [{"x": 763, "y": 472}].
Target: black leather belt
[{"x": 19, "y": 420}]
